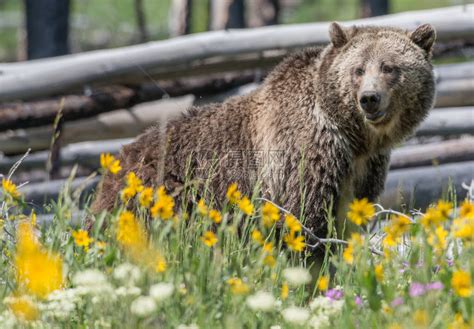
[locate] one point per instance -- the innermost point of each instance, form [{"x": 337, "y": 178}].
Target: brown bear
[{"x": 316, "y": 134}]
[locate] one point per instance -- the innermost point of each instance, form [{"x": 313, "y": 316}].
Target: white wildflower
[
  {"x": 320, "y": 321},
  {"x": 127, "y": 273},
  {"x": 161, "y": 291},
  {"x": 295, "y": 315},
  {"x": 92, "y": 282},
  {"x": 261, "y": 301},
  {"x": 324, "y": 305},
  {"x": 89, "y": 278},
  {"x": 128, "y": 291},
  {"x": 143, "y": 306},
  {"x": 276, "y": 326},
  {"x": 296, "y": 276}
]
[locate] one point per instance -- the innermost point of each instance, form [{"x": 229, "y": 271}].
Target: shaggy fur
[{"x": 302, "y": 134}]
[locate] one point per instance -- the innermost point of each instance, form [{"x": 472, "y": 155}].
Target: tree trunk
[
  {"x": 141, "y": 20},
  {"x": 47, "y": 28},
  {"x": 264, "y": 12},
  {"x": 180, "y": 17},
  {"x": 371, "y": 8},
  {"x": 227, "y": 14}
]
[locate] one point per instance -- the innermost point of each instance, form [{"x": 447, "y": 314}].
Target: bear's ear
[
  {"x": 337, "y": 35},
  {"x": 424, "y": 36}
]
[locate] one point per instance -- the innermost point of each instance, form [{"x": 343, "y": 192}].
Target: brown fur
[{"x": 303, "y": 124}]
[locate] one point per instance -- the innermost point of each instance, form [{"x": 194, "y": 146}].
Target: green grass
[{"x": 111, "y": 286}]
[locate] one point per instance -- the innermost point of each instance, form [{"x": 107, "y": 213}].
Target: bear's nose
[{"x": 370, "y": 101}]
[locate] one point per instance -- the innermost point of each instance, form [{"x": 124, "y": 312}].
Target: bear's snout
[{"x": 370, "y": 102}]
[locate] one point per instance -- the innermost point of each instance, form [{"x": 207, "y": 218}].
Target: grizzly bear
[{"x": 316, "y": 134}]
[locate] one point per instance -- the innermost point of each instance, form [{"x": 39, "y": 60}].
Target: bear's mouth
[{"x": 376, "y": 117}]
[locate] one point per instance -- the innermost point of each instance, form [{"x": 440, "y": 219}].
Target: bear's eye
[
  {"x": 387, "y": 69},
  {"x": 359, "y": 71}
]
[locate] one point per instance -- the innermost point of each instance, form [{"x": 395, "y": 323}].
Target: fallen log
[
  {"x": 40, "y": 113},
  {"x": 54, "y": 76},
  {"x": 459, "y": 92},
  {"x": 87, "y": 154},
  {"x": 130, "y": 123},
  {"x": 404, "y": 188},
  {"x": 418, "y": 187},
  {"x": 448, "y": 121},
  {"x": 449, "y": 151},
  {"x": 111, "y": 125},
  {"x": 455, "y": 88}
]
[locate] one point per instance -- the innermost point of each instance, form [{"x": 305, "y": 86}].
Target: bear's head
[{"x": 383, "y": 73}]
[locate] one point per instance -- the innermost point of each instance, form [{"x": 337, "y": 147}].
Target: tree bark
[
  {"x": 371, "y": 8},
  {"x": 180, "y": 17},
  {"x": 227, "y": 14},
  {"x": 141, "y": 20},
  {"x": 47, "y": 26}
]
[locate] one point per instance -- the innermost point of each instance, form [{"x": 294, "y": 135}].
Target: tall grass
[{"x": 233, "y": 267}]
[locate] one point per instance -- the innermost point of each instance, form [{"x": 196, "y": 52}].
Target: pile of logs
[{"x": 107, "y": 97}]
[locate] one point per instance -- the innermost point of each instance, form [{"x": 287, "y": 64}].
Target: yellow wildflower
[
  {"x": 160, "y": 265},
  {"x": 292, "y": 223},
  {"x": 459, "y": 323},
  {"x": 467, "y": 210},
  {"x": 463, "y": 228},
  {"x": 461, "y": 283},
  {"x": 246, "y": 206},
  {"x": 437, "y": 239},
  {"x": 379, "y": 272},
  {"x": 361, "y": 211},
  {"x": 269, "y": 260},
  {"x": 33, "y": 218},
  {"x": 420, "y": 317},
  {"x": 23, "y": 308},
  {"x": 445, "y": 208},
  {"x": 215, "y": 216},
  {"x": 163, "y": 206},
  {"x": 285, "y": 289},
  {"x": 145, "y": 198},
  {"x": 356, "y": 241},
  {"x": 257, "y": 236},
  {"x": 432, "y": 217},
  {"x": 202, "y": 208},
  {"x": 10, "y": 188},
  {"x": 237, "y": 286},
  {"x": 130, "y": 234},
  {"x": 323, "y": 283},
  {"x": 268, "y": 247},
  {"x": 233, "y": 194},
  {"x": 39, "y": 272},
  {"x": 134, "y": 186},
  {"x": 101, "y": 245},
  {"x": 270, "y": 214},
  {"x": 295, "y": 243},
  {"x": 209, "y": 239},
  {"x": 398, "y": 226},
  {"x": 82, "y": 239},
  {"x": 109, "y": 163}
]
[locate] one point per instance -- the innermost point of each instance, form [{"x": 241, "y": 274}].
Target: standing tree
[
  {"x": 227, "y": 14},
  {"x": 141, "y": 20},
  {"x": 264, "y": 12},
  {"x": 180, "y": 17},
  {"x": 370, "y": 8},
  {"x": 47, "y": 28}
]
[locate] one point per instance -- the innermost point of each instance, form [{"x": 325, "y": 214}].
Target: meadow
[{"x": 246, "y": 264}]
